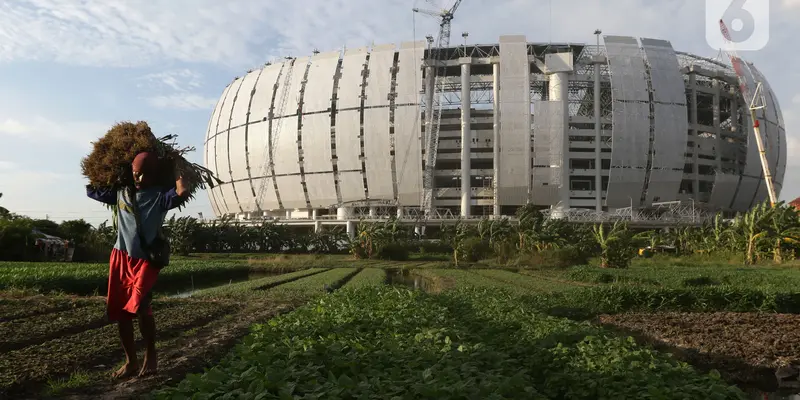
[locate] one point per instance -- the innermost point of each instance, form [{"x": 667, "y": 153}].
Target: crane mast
[
  {"x": 756, "y": 102},
  {"x": 432, "y": 141}
]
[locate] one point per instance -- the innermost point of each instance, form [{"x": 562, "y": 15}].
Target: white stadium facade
[{"x": 629, "y": 124}]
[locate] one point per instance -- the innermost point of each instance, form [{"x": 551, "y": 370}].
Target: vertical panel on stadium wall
[
  {"x": 259, "y": 167},
  {"x": 772, "y": 131},
  {"x": 780, "y": 174},
  {"x": 262, "y": 98},
  {"x": 225, "y": 198},
  {"x": 258, "y": 135},
  {"x": 376, "y": 123},
  {"x": 316, "y": 131},
  {"x": 287, "y": 158},
  {"x": 407, "y": 124},
  {"x": 671, "y": 125},
  {"x": 769, "y": 133},
  {"x": 237, "y": 154},
  {"x": 548, "y": 134},
  {"x": 209, "y": 148},
  {"x": 752, "y": 173},
  {"x": 515, "y": 121},
  {"x": 348, "y": 124},
  {"x": 244, "y": 194},
  {"x": 631, "y": 125}
]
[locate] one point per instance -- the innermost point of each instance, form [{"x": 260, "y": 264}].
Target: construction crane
[
  {"x": 432, "y": 143},
  {"x": 268, "y": 166},
  {"x": 756, "y": 102}
]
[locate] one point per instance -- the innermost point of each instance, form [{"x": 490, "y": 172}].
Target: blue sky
[{"x": 69, "y": 69}]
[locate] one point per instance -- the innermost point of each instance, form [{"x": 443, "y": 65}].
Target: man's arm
[
  {"x": 175, "y": 197},
  {"x": 103, "y": 195}
]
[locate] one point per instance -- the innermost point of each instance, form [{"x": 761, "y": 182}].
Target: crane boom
[
  {"x": 432, "y": 142},
  {"x": 753, "y": 105}
]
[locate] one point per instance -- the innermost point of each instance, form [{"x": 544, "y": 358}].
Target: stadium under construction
[{"x": 627, "y": 128}]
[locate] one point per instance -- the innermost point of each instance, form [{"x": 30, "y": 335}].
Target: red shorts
[{"x": 130, "y": 281}]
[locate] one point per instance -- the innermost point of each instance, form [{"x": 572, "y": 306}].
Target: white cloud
[
  {"x": 179, "y": 80},
  {"x": 39, "y": 129},
  {"x": 791, "y": 3},
  {"x": 178, "y": 88},
  {"x": 6, "y": 166},
  {"x": 183, "y": 101}
]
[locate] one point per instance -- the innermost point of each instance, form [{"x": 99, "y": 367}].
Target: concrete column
[
  {"x": 559, "y": 91},
  {"x": 496, "y": 136},
  {"x": 717, "y": 120},
  {"x": 693, "y": 137},
  {"x": 466, "y": 138},
  {"x": 314, "y": 214},
  {"x": 288, "y": 214},
  {"x": 373, "y": 212},
  {"x": 430, "y": 88},
  {"x": 598, "y": 139},
  {"x": 418, "y": 230},
  {"x": 399, "y": 212},
  {"x": 351, "y": 229},
  {"x": 317, "y": 226},
  {"x": 344, "y": 213}
]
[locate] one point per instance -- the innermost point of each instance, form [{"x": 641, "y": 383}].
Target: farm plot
[
  {"x": 69, "y": 348},
  {"x": 88, "y": 279},
  {"x": 36, "y": 360},
  {"x": 460, "y": 344},
  {"x": 744, "y": 348},
  {"x": 367, "y": 277}
]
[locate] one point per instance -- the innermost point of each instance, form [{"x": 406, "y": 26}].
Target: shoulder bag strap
[{"x": 135, "y": 205}]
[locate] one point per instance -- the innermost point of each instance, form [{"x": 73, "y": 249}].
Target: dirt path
[
  {"x": 746, "y": 348},
  {"x": 187, "y": 354}
]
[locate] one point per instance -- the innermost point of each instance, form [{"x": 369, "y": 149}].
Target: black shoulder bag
[{"x": 157, "y": 252}]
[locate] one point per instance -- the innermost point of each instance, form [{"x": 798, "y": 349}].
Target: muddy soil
[{"x": 746, "y": 348}]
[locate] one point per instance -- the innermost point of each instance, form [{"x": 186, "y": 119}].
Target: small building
[{"x": 53, "y": 248}]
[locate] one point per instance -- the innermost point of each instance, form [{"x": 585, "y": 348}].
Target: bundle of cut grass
[{"x": 109, "y": 163}]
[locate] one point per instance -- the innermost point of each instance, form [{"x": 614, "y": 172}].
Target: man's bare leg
[
  {"x": 147, "y": 326},
  {"x": 129, "y": 346}
]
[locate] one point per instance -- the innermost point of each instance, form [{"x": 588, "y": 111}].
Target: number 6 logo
[{"x": 747, "y": 21}]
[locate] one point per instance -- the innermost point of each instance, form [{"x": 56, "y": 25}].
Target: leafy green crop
[
  {"x": 86, "y": 279},
  {"x": 367, "y": 277},
  {"x": 245, "y": 289},
  {"x": 392, "y": 343},
  {"x": 314, "y": 285}
]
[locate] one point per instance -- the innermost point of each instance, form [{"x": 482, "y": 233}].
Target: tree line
[{"x": 763, "y": 234}]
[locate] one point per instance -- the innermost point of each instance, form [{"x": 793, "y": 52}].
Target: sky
[{"x": 70, "y": 69}]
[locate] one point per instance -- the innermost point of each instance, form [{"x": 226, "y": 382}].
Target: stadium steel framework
[{"x": 627, "y": 128}]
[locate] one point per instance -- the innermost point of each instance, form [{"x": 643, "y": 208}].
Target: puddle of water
[
  {"x": 194, "y": 286},
  {"x": 405, "y": 278}
]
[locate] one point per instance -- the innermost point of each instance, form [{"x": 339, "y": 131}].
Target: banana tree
[
  {"x": 784, "y": 230},
  {"x": 752, "y": 229},
  {"x": 615, "y": 245}
]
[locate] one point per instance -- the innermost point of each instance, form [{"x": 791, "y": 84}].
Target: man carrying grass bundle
[{"x": 141, "y": 211}]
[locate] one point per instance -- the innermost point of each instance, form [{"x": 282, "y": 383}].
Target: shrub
[
  {"x": 473, "y": 249},
  {"x": 564, "y": 257},
  {"x": 394, "y": 252}
]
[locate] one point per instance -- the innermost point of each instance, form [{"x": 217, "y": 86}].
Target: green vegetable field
[{"x": 338, "y": 328}]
